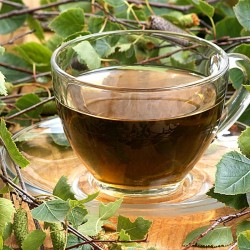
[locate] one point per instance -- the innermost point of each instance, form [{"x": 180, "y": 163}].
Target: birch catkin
[
  {"x": 159, "y": 23},
  {"x": 20, "y": 225}
]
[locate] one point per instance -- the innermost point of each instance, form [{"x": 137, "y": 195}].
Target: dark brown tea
[{"x": 140, "y": 139}]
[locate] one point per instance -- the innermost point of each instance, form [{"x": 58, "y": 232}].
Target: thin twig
[
  {"x": 106, "y": 241},
  {"x": 15, "y": 96},
  {"x": 31, "y": 77},
  {"x": 113, "y": 18},
  {"x": 11, "y": 41},
  {"x": 31, "y": 198},
  {"x": 223, "y": 219},
  {"x": 32, "y": 10},
  {"x": 87, "y": 239},
  {"x": 182, "y": 8},
  {"x": 233, "y": 246},
  {"x": 45, "y": 14},
  {"x": 11, "y": 3},
  {"x": 166, "y": 55},
  {"x": 19, "y": 176},
  {"x": 5, "y": 65},
  {"x": 7, "y": 118}
]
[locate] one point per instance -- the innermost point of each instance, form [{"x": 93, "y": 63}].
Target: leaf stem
[
  {"x": 213, "y": 26},
  {"x": 223, "y": 219},
  {"x": 149, "y": 7},
  {"x": 7, "y": 118},
  {"x": 113, "y": 18}
]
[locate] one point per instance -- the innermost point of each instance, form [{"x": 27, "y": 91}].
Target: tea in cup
[{"x": 139, "y": 108}]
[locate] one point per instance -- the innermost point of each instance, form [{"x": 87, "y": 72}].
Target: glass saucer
[{"x": 51, "y": 157}]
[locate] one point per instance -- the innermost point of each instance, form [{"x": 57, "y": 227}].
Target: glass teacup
[{"x": 139, "y": 108}]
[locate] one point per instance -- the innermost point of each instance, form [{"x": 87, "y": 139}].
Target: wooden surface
[{"x": 167, "y": 233}]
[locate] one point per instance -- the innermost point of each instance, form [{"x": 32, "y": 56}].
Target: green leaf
[
  {"x": 242, "y": 49},
  {"x": 75, "y": 35},
  {"x": 90, "y": 197},
  {"x": 244, "y": 240},
  {"x": 1, "y": 242},
  {"x": 77, "y": 216},
  {"x": 248, "y": 198},
  {"x": 241, "y": 10},
  {"x": 87, "y": 54},
  {"x": 7, "y": 188},
  {"x": 73, "y": 19},
  {"x": 247, "y": 88},
  {"x": 103, "y": 48},
  {"x": 3, "y": 90},
  {"x": 7, "y": 231},
  {"x": 92, "y": 227},
  {"x": 8, "y": 25},
  {"x": 115, "y": 3},
  {"x": 236, "y": 77},
  {"x": 2, "y": 50},
  {"x": 11, "y": 147},
  {"x": 7, "y": 211},
  {"x": 86, "y": 6},
  {"x": 238, "y": 201},
  {"x": 7, "y": 248},
  {"x": 243, "y": 226},
  {"x": 35, "y": 54},
  {"x": 137, "y": 229},
  {"x": 14, "y": 60},
  {"x": 224, "y": 9},
  {"x": 124, "y": 236},
  {"x": 27, "y": 101},
  {"x": 73, "y": 240},
  {"x": 203, "y": 6},
  {"x": 220, "y": 236},
  {"x": 34, "y": 240},
  {"x": 124, "y": 47},
  {"x": 63, "y": 189},
  {"x": 245, "y": 117},
  {"x": 51, "y": 211},
  {"x": 229, "y": 26},
  {"x": 34, "y": 24},
  {"x": 60, "y": 139},
  {"x": 244, "y": 142},
  {"x": 95, "y": 24},
  {"x": 233, "y": 174},
  {"x": 77, "y": 203},
  {"x": 54, "y": 41},
  {"x": 108, "y": 210}
]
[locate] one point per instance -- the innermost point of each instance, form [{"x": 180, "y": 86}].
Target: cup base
[
  {"x": 136, "y": 192},
  {"x": 88, "y": 184}
]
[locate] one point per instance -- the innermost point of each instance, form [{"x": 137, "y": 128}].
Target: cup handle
[{"x": 240, "y": 100}]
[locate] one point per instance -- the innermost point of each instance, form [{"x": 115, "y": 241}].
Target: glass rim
[{"x": 209, "y": 78}]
